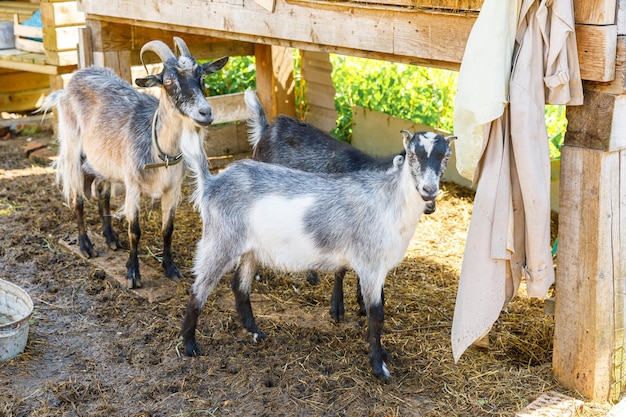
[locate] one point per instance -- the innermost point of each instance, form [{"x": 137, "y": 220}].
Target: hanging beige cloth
[
  {"x": 483, "y": 79},
  {"x": 509, "y": 233}
]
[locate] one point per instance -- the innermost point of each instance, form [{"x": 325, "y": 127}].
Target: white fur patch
[
  {"x": 278, "y": 231},
  {"x": 428, "y": 141}
]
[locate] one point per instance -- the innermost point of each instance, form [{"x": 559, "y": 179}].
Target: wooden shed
[
  {"x": 591, "y": 274},
  {"x": 41, "y": 55}
]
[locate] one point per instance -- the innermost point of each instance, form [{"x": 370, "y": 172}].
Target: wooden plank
[
  {"x": 594, "y": 12},
  {"x": 228, "y": 108},
  {"x": 323, "y": 118},
  {"x": 60, "y": 38},
  {"x": 326, "y": 25},
  {"x": 23, "y": 100},
  {"x": 597, "y": 48},
  {"x": 62, "y": 58},
  {"x": 589, "y": 218},
  {"x": 31, "y": 62},
  {"x": 156, "y": 287},
  {"x": 117, "y": 61},
  {"x": 15, "y": 81},
  {"x": 229, "y": 139},
  {"x": 599, "y": 124},
  {"x": 23, "y": 9},
  {"x": 274, "y": 80},
  {"x": 85, "y": 51},
  {"x": 66, "y": 13},
  {"x": 618, "y": 84},
  {"x": 552, "y": 404},
  {"x": 402, "y": 35}
]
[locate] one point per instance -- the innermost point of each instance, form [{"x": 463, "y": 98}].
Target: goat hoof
[
  {"x": 192, "y": 349},
  {"x": 337, "y": 314},
  {"x": 381, "y": 372},
  {"x": 172, "y": 272},
  {"x": 134, "y": 282},
  {"x": 313, "y": 278},
  {"x": 258, "y": 336}
]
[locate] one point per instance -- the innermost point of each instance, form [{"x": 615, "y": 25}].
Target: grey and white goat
[
  {"x": 108, "y": 132},
  {"x": 258, "y": 214},
  {"x": 296, "y": 144}
]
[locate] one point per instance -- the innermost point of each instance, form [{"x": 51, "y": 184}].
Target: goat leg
[
  {"x": 171, "y": 270},
  {"x": 188, "y": 328},
  {"x": 244, "y": 308},
  {"x": 337, "y": 309},
  {"x": 132, "y": 265},
  {"x": 378, "y": 355},
  {"x": 85, "y": 245},
  {"x": 359, "y": 297},
  {"x": 104, "y": 209}
]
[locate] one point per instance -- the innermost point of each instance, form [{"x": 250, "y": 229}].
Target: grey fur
[{"x": 255, "y": 213}]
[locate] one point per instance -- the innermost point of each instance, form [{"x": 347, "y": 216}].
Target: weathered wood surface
[
  {"x": 319, "y": 90},
  {"x": 594, "y": 12},
  {"x": 156, "y": 287},
  {"x": 599, "y": 124},
  {"x": 591, "y": 266},
  {"x": 392, "y": 33}
]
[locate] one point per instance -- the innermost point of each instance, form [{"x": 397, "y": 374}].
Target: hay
[{"x": 96, "y": 348}]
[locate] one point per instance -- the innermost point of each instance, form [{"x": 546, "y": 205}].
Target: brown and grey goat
[
  {"x": 259, "y": 214},
  {"x": 296, "y": 144},
  {"x": 110, "y": 133}
]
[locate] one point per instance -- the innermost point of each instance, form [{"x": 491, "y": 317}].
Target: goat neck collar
[{"x": 167, "y": 159}]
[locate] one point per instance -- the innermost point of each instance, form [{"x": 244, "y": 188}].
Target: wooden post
[
  {"x": 117, "y": 43},
  {"x": 320, "y": 92},
  {"x": 274, "y": 79},
  {"x": 589, "y": 340}
]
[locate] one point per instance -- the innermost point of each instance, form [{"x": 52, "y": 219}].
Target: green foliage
[
  {"x": 236, "y": 76},
  {"x": 556, "y": 124},
  {"x": 419, "y": 94}
]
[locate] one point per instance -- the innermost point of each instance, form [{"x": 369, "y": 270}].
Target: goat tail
[
  {"x": 257, "y": 123},
  {"x": 68, "y": 164},
  {"x": 195, "y": 159}
]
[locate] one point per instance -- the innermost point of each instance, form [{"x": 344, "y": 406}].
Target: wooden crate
[{"x": 26, "y": 37}]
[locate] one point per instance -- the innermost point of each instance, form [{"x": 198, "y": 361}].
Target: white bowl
[{"x": 16, "y": 307}]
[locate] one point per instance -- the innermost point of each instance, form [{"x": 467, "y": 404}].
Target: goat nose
[
  {"x": 429, "y": 189},
  {"x": 206, "y": 114}
]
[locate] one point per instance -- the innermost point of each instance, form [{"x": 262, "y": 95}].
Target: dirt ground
[{"x": 96, "y": 348}]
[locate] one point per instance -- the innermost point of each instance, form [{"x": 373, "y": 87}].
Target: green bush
[{"x": 419, "y": 94}]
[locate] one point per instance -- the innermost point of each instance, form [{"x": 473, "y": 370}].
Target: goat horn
[
  {"x": 181, "y": 46},
  {"x": 158, "y": 47}
]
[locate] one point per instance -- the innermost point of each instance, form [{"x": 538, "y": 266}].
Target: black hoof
[
  {"x": 337, "y": 313},
  {"x": 192, "y": 350},
  {"x": 134, "y": 282}
]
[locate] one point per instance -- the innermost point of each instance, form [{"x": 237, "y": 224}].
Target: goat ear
[
  {"x": 149, "y": 81},
  {"x": 215, "y": 66},
  {"x": 450, "y": 139},
  {"x": 406, "y": 138}
]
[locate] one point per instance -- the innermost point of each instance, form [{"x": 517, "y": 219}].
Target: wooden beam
[
  {"x": 618, "y": 84},
  {"x": 274, "y": 79},
  {"x": 395, "y": 34},
  {"x": 591, "y": 269},
  {"x": 597, "y": 47},
  {"x": 599, "y": 123},
  {"x": 118, "y": 61},
  {"x": 594, "y": 12}
]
